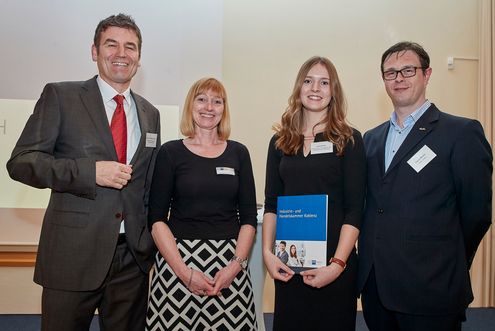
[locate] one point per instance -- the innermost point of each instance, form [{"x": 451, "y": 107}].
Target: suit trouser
[
  {"x": 379, "y": 318},
  {"x": 121, "y": 300}
]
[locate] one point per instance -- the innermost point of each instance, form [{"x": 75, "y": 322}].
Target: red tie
[{"x": 119, "y": 129}]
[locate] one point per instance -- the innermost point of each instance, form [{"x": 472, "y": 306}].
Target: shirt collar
[
  {"x": 412, "y": 118},
  {"x": 108, "y": 92}
]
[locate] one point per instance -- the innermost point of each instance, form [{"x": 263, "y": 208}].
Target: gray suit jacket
[
  {"x": 283, "y": 256},
  {"x": 64, "y": 137}
]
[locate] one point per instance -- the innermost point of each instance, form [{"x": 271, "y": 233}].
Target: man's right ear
[{"x": 94, "y": 53}]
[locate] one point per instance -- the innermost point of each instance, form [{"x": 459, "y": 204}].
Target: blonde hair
[
  {"x": 290, "y": 139},
  {"x": 202, "y": 86}
]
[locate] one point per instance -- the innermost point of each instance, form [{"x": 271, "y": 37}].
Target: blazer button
[
  {"x": 380, "y": 211},
  {"x": 118, "y": 215}
]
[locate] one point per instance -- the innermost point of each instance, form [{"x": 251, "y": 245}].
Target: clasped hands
[
  {"x": 113, "y": 174},
  {"x": 200, "y": 284}
]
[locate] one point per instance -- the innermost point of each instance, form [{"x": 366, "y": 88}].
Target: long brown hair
[{"x": 290, "y": 139}]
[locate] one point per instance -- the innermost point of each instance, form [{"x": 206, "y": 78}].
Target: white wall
[{"x": 50, "y": 40}]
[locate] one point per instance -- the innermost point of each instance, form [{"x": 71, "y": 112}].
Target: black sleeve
[
  {"x": 247, "y": 190},
  {"x": 472, "y": 171},
  {"x": 162, "y": 187},
  {"x": 354, "y": 169},
  {"x": 273, "y": 183}
]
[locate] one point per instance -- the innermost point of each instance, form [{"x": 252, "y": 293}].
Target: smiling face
[
  {"x": 207, "y": 110},
  {"x": 407, "y": 94},
  {"x": 117, "y": 57},
  {"x": 315, "y": 91}
]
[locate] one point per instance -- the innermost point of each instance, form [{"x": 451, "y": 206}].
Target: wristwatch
[{"x": 241, "y": 261}]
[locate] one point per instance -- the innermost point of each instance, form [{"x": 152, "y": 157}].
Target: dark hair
[
  {"x": 404, "y": 46},
  {"x": 119, "y": 21},
  {"x": 290, "y": 251},
  {"x": 283, "y": 242}
]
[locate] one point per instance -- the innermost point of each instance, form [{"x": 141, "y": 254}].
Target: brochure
[{"x": 301, "y": 235}]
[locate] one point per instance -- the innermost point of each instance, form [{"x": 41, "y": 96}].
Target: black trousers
[
  {"x": 121, "y": 300},
  {"x": 379, "y": 318}
]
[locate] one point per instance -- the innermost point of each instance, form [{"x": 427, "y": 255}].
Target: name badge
[
  {"x": 321, "y": 147},
  {"x": 225, "y": 171},
  {"x": 421, "y": 158},
  {"x": 151, "y": 139}
]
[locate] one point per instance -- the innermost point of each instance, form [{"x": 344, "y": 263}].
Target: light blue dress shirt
[{"x": 397, "y": 135}]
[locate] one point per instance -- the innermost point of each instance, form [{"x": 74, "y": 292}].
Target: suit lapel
[
  {"x": 420, "y": 130},
  {"x": 144, "y": 124},
  {"x": 93, "y": 102},
  {"x": 382, "y": 138}
]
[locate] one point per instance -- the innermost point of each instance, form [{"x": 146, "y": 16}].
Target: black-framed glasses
[{"x": 406, "y": 72}]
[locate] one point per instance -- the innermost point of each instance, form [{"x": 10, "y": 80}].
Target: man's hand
[{"x": 113, "y": 174}]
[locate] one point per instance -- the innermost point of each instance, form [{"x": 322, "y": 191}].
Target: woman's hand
[
  {"x": 321, "y": 277},
  {"x": 276, "y": 268},
  {"x": 224, "y": 277},
  {"x": 200, "y": 284}
]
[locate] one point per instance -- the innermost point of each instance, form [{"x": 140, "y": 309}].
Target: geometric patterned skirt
[{"x": 173, "y": 307}]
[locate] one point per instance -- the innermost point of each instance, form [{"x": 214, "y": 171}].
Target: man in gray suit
[
  {"x": 282, "y": 253},
  {"x": 93, "y": 143}
]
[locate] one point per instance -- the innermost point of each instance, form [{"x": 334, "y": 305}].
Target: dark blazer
[
  {"x": 421, "y": 230},
  {"x": 64, "y": 137}
]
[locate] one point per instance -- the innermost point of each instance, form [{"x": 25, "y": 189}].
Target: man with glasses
[{"x": 428, "y": 205}]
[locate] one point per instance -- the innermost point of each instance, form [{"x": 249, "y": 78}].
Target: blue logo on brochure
[{"x": 302, "y": 217}]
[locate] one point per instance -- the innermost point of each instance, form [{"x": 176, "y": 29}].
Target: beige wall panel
[
  {"x": 20, "y": 295},
  {"x": 265, "y": 43}
]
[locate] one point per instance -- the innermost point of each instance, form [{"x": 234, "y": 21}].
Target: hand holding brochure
[{"x": 301, "y": 235}]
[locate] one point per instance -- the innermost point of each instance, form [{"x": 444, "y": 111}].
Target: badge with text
[
  {"x": 225, "y": 171},
  {"x": 321, "y": 147},
  {"x": 421, "y": 158},
  {"x": 151, "y": 139}
]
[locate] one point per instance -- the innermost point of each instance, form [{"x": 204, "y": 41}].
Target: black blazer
[
  {"x": 421, "y": 230},
  {"x": 64, "y": 137}
]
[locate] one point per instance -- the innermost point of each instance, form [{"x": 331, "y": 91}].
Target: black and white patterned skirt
[{"x": 173, "y": 307}]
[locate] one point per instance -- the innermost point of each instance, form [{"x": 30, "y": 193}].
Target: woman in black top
[
  {"x": 315, "y": 151},
  {"x": 202, "y": 216}
]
